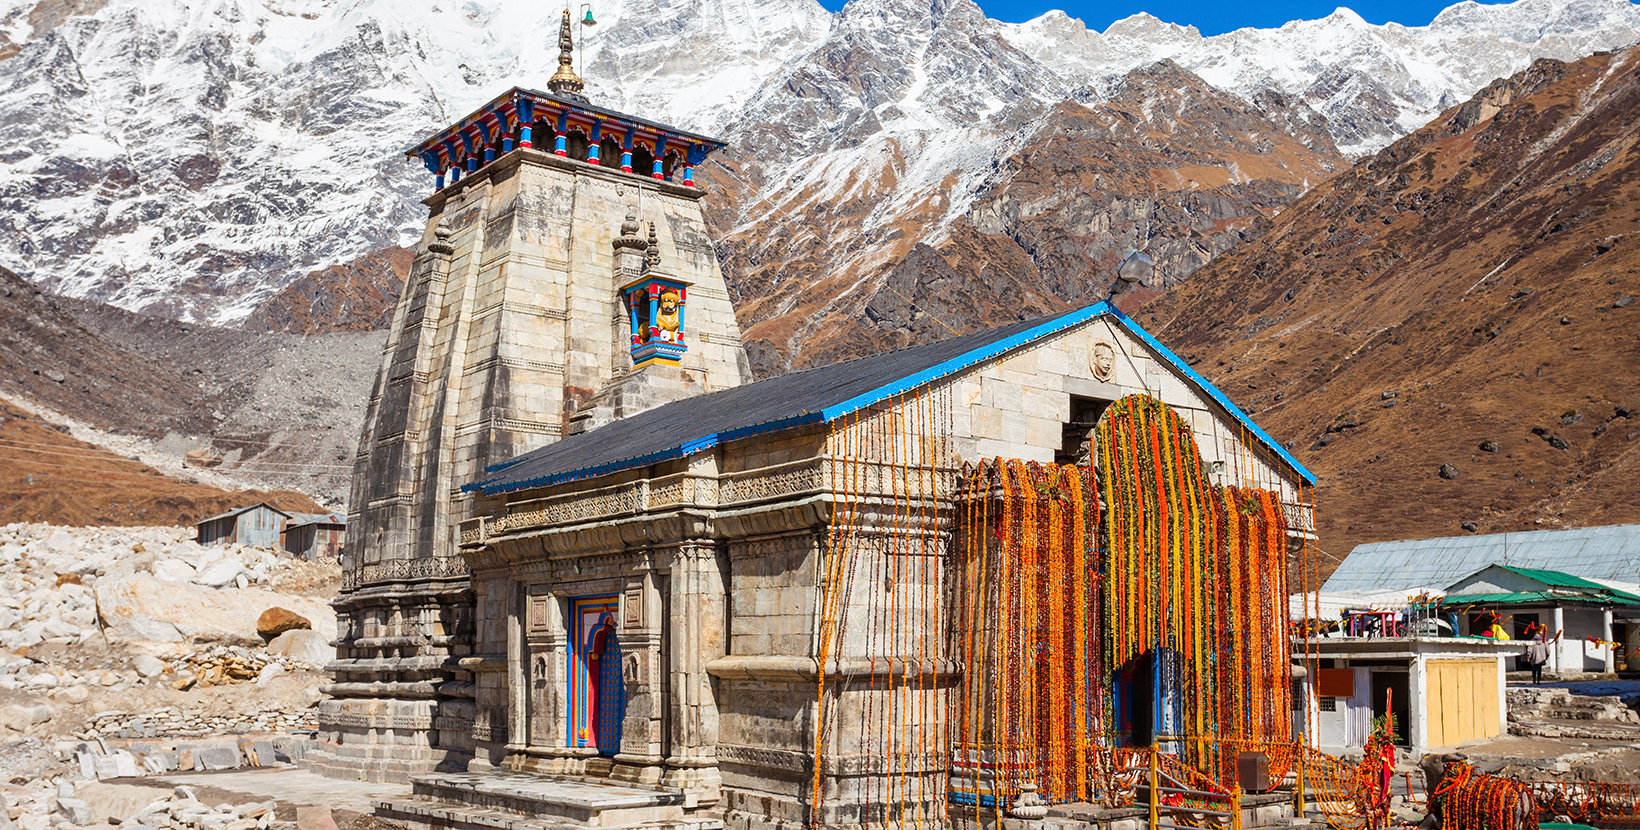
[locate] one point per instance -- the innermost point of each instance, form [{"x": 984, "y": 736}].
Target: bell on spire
[{"x": 565, "y": 81}]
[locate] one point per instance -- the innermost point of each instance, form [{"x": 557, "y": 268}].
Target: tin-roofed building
[
  {"x": 258, "y": 525},
  {"x": 1610, "y": 552},
  {"x": 315, "y": 535}
]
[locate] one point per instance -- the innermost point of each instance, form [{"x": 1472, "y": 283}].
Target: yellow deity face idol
[{"x": 669, "y": 304}]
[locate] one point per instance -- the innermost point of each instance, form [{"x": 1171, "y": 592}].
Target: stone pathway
[{"x": 293, "y": 785}]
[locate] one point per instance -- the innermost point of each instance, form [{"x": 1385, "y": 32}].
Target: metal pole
[
  {"x": 1155, "y": 784},
  {"x": 1298, "y": 787}
]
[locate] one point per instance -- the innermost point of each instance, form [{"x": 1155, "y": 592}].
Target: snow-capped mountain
[{"x": 190, "y": 157}]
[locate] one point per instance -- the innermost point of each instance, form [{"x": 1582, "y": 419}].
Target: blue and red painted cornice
[{"x": 527, "y": 117}]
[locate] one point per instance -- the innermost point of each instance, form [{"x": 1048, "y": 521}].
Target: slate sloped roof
[
  {"x": 1594, "y": 553},
  {"x": 812, "y": 396}
]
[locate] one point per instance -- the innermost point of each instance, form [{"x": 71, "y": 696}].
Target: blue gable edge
[
  {"x": 1138, "y": 331},
  {"x": 902, "y": 386}
]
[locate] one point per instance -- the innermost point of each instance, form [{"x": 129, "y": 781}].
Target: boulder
[
  {"x": 269, "y": 672},
  {"x": 22, "y": 716},
  {"x": 174, "y": 570},
  {"x": 276, "y": 621},
  {"x": 222, "y": 573},
  {"x": 305, "y": 646},
  {"x": 148, "y": 665},
  {"x": 76, "y": 811},
  {"x": 141, "y": 608}
]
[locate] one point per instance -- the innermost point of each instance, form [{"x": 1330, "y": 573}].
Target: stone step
[{"x": 561, "y": 800}]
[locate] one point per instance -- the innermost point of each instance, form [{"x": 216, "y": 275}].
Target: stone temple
[
  {"x": 557, "y": 287},
  {"x": 598, "y": 578}
]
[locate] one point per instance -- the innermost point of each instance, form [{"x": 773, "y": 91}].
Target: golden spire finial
[{"x": 565, "y": 81}]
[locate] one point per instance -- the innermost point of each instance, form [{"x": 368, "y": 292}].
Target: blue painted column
[
  {"x": 526, "y": 117},
  {"x": 632, "y": 309},
  {"x": 626, "y": 151},
  {"x": 593, "y": 142},
  {"x": 472, "y": 164},
  {"x": 560, "y": 138},
  {"x": 654, "y": 309},
  {"x": 438, "y": 182},
  {"x": 507, "y": 141},
  {"x": 688, "y": 176},
  {"x": 660, "y": 158}
]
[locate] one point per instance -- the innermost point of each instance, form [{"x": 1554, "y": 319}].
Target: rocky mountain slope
[
  {"x": 191, "y": 159},
  {"x": 262, "y": 410},
  {"x": 1448, "y": 332},
  {"x": 1168, "y": 163},
  {"x": 355, "y": 296},
  {"x": 47, "y": 475}
]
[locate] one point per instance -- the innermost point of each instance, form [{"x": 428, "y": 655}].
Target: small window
[
  {"x": 1329, "y": 704},
  {"x": 1076, "y": 445}
]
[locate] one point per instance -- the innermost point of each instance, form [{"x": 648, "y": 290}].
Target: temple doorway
[{"x": 597, "y": 691}]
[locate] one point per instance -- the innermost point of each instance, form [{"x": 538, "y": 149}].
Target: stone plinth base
[
  {"x": 384, "y": 740},
  {"x": 514, "y": 801}
]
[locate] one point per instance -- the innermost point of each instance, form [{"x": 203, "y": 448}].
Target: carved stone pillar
[
  {"x": 697, "y": 624},
  {"x": 642, "y": 633}
]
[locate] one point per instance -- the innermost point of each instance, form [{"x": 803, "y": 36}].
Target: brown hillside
[
  {"x": 47, "y": 476},
  {"x": 279, "y": 409},
  {"x": 1466, "y": 297}
]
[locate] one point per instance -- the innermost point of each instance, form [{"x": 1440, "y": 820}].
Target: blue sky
[{"x": 1212, "y": 17}]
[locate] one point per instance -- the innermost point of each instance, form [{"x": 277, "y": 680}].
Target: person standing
[{"x": 1537, "y": 653}]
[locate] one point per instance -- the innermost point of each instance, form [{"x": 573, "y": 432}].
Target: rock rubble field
[{"x": 129, "y": 652}]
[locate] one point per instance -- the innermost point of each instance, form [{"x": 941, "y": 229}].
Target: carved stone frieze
[{"x": 401, "y": 570}]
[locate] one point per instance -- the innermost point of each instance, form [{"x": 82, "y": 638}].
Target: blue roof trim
[
  {"x": 1138, "y": 331},
  {"x": 901, "y": 386},
  {"x": 963, "y": 361},
  {"x": 684, "y": 450}
]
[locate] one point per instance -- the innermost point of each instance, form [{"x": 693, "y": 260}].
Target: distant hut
[
  {"x": 315, "y": 535},
  {"x": 258, "y": 525},
  {"x": 1592, "y": 619}
]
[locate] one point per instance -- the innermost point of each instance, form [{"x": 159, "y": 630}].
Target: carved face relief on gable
[{"x": 1102, "y": 360}]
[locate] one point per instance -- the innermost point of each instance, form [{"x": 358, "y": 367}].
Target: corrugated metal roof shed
[
  {"x": 238, "y": 510},
  {"x": 300, "y": 519},
  {"x": 1606, "y": 552}
]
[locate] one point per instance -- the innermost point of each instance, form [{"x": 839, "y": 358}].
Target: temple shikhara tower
[
  {"x": 565, "y": 279},
  {"x": 597, "y": 578}
]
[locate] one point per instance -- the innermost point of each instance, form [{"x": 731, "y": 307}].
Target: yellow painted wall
[{"x": 1461, "y": 700}]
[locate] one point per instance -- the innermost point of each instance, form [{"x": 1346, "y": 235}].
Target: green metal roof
[
  {"x": 1558, "y": 579},
  {"x": 1567, "y": 588}
]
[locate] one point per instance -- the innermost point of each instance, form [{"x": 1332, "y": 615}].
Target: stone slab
[
  {"x": 588, "y": 803},
  {"x": 216, "y": 758}
]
